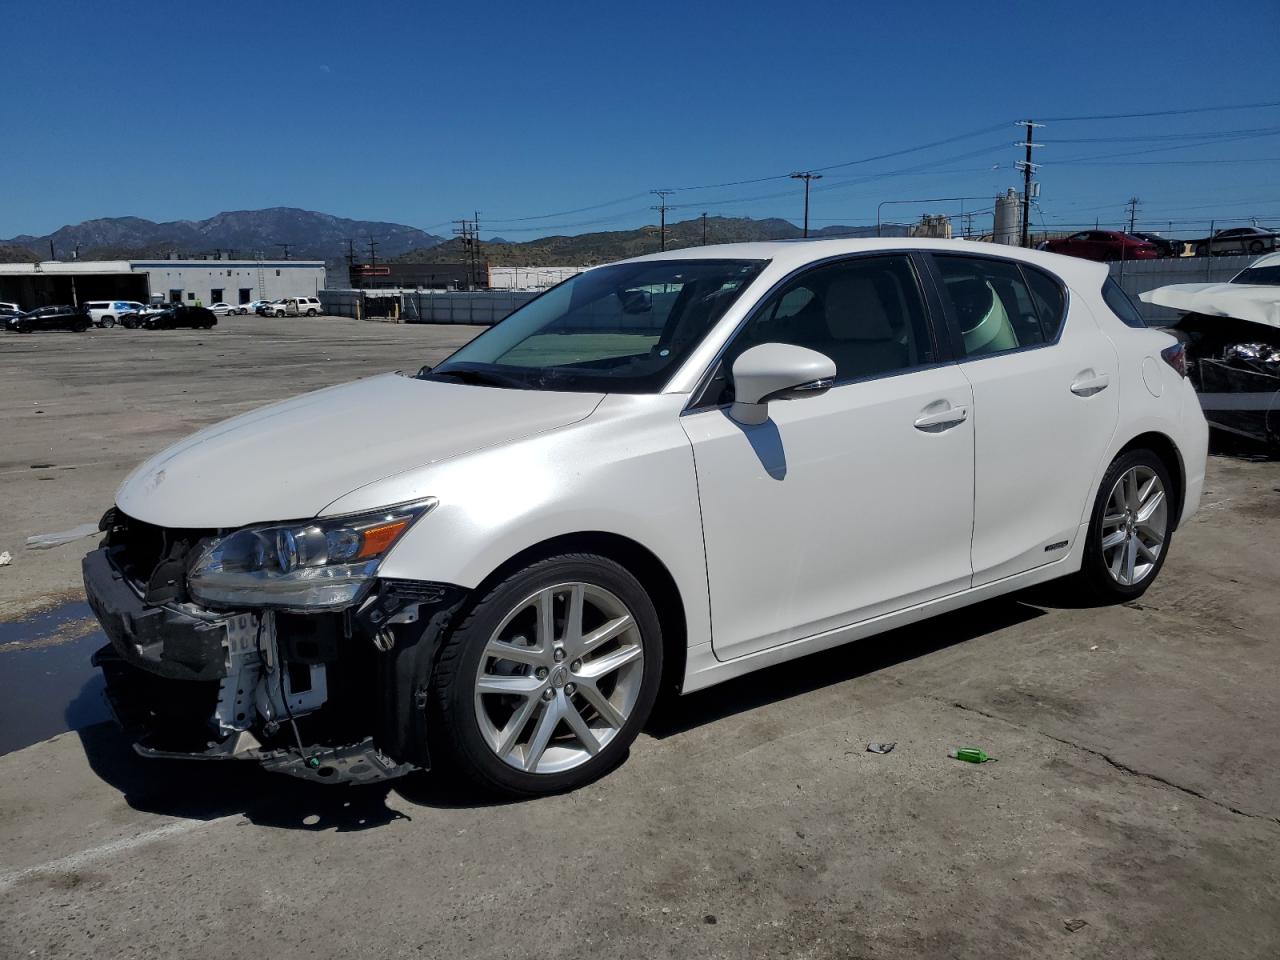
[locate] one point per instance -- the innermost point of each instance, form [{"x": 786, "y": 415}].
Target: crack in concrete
[{"x": 1122, "y": 767}]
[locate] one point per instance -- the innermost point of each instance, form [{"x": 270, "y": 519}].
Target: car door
[
  {"x": 848, "y": 505},
  {"x": 1045, "y": 406}
]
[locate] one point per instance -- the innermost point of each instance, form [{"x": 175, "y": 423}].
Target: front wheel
[
  {"x": 279, "y": 313},
  {"x": 1130, "y": 528},
  {"x": 1257, "y": 246},
  {"x": 550, "y": 676}
]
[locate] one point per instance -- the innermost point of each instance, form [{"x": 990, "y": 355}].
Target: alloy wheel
[
  {"x": 1134, "y": 525},
  {"x": 559, "y": 678}
]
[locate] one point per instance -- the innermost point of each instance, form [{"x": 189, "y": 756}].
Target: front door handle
[
  {"x": 1091, "y": 385},
  {"x": 942, "y": 420}
]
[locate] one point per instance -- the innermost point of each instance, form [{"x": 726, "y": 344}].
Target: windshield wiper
[{"x": 481, "y": 378}]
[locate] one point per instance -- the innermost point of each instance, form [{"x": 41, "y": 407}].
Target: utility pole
[
  {"x": 373, "y": 254},
  {"x": 475, "y": 249},
  {"x": 662, "y": 208},
  {"x": 807, "y": 177},
  {"x": 465, "y": 231},
  {"x": 1133, "y": 211},
  {"x": 285, "y": 247},
  {"x": 1027, "y": 168},
  {"x": 704, "y": 228}
]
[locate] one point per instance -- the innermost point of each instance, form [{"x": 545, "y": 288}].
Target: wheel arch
[
  {"x": 1163, "y": 446},
  {"x": 640, "y": 562}
]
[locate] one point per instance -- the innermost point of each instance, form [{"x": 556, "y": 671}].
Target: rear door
[{"x": 1044, "y": 407}]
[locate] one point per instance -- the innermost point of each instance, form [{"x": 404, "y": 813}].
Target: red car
[{"x": 1104, "y": 245}]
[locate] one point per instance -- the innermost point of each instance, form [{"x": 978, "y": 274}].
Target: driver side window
[{"x": 867, "y": 314}]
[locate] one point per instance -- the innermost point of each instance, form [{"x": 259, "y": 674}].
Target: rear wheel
[
  {"x": 1130, "y": 529},
  {"x": 108, "y": 321},
  {"x": 311, "y": 313},
  {"x": 1257, "y": 246},
  {"x": 550, "y": 677}
]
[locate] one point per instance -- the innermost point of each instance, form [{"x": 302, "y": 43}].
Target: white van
[{"x": 104, "y": 313}]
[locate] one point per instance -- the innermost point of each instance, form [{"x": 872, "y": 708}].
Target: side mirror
[
  {"x": 777, "y": 371},
  {"x": 636, "y": 301}
]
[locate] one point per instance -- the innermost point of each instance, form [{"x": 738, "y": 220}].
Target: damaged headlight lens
[{"x": 318, "y": 563}]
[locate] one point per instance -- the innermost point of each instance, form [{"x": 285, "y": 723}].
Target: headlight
[{"x": 316, "y": 564}]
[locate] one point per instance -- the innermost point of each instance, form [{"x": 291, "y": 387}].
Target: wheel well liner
[
  {"x": 641, "y": 563},
  {"x": 1166, "y": 450}
]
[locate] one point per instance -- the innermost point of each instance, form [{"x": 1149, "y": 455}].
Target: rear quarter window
[
  {"x": 1121, "y": 305},
  {"x": 1050, "y": 300}
]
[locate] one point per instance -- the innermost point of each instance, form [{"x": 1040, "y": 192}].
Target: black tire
[
  {"x": 1257, "y": 246},
  {"x": 80, "y": 327},
  {"x": 107, "y": 322},
  {"x": 458, "y": 741},
  {"x": 1095, "y": 582},
  {"x": 311, "y": 313},
  {"x": 1202, "y": 250},
  {"x": 279, "y": 313}
]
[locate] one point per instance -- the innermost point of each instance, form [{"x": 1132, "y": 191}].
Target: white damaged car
[{"x": 662, "y": 473}]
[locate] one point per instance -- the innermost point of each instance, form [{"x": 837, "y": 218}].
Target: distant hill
[
  {"x": 245, "y": 233},
  {"x": 590, "y": 248}
]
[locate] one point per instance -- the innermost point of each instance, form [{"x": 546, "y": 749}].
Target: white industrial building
[{"x": 187, "y": 281}]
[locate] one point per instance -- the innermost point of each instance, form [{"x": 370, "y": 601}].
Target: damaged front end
[{"x": 334, "y": 691}]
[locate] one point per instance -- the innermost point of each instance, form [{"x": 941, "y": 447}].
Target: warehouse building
[{"x": 211, "y": 280}]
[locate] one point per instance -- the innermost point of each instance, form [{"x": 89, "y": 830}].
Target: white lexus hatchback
[{"x": 664, "y": 472}]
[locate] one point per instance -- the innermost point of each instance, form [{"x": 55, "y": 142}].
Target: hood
[
  {"x": 290, "y": 460},
  {"x": 1244, "y": 301}
]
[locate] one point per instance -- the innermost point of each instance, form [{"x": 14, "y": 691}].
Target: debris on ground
[
  {"x": 6, "y": 558},
  {"x": 880, "y": 747},
  {"x": 43, "y": 541},
  {"x": 971, "y": 755},
  {"x": 710, "y": 918},
  {"x": 1074, "y": 925}
]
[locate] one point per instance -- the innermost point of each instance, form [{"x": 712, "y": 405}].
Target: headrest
[
  {"x": 853, "y": 310},
  {"x": 972, "y": 299}
]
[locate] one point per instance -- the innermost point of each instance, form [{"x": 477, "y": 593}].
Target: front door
[
  {"x": 849, "y": 505},
  {"x": 1044, "y": 408}
]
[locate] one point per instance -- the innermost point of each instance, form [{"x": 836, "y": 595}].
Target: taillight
[{"x": 1176, "y": 357}]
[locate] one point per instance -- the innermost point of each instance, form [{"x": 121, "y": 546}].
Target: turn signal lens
[{"x": 375, "y": 540}]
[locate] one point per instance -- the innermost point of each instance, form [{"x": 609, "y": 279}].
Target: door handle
[
  {"x": 942, "y": 420},
  {"x": 1088, "y": 387}
]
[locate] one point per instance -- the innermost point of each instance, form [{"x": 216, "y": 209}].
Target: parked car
[
  {"x": 228, "y": 309},
  {"x": 256, "y": 306},
  {"x": 1103, "y": 245},
  {"x": 178, "y": 315},
  {"x": 271, "y": 308},
  {"x": 9, "y": 307},
  {"x": 663, "y": 473},
  {"x": 1164, "y": 246},
  {"x": 105, "y": 313},
  {"x": 61, "y": 317},
  {"x": 1237, "y": 240},
  {"x": 131, "y": 321},
  {"x": 302, "y": 306}
]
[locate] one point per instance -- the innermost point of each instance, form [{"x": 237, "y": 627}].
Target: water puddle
[{"x": 47, "y": 686}]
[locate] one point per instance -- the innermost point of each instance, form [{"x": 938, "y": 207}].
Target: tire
[
  {"x": 1097, "y": 579},
  {"x": 80, "y": 328},
  {"x": 279, "y": 313},
  {"x": 311, "y": 313},
  {"x": 1202, "y": 250},
  {"x": 473, "y": 727},
  {"x": 107, "y": 322},
  {"x": 1257, "y": 246}
]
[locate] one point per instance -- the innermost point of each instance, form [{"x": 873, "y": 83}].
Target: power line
[{"x": 1166, "y": 113}]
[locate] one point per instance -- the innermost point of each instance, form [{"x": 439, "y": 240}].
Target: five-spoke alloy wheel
[
  {"x": 1130, "y": 527},
  {"x": 550, "y": 676}
]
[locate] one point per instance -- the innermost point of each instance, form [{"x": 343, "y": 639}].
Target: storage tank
[{"x": 1008, "y": 221}]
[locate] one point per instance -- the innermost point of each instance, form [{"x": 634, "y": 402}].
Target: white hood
[
  {"x": 291, "y": 459},
  {"x": 1256, "y": 303}
]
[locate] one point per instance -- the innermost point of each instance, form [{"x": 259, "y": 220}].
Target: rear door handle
[
  {"x": 1090, "y": 386},
  {"x": 943, "y": 419}
]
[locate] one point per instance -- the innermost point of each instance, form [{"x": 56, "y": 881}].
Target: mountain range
[
  {"x": 320, "y": 236},
  {"x": 244, "y": 233}
]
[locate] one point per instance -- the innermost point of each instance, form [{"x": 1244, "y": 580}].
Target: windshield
[
  {"x": 618, "y": 329},
  {"x": 1268, "y": 275}
]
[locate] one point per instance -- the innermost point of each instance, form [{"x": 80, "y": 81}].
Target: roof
[
  {"x": 81, "y": 267},
  {"x": 791, "y": 254}
]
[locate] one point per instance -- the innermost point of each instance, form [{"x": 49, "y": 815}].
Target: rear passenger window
[
  {"x": 1051, "y": 300},
  {"x": 1121, "y": 305},
  {"x": 992, "y": 304}
]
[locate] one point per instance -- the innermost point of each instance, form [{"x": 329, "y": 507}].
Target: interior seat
[{"x": 861, "y": 336}]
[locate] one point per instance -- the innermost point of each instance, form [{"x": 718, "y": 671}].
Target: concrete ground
[{"x": 1134, "y": 809}]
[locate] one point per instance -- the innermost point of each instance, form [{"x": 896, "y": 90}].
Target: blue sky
[{"x": 420, "y": 113}]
